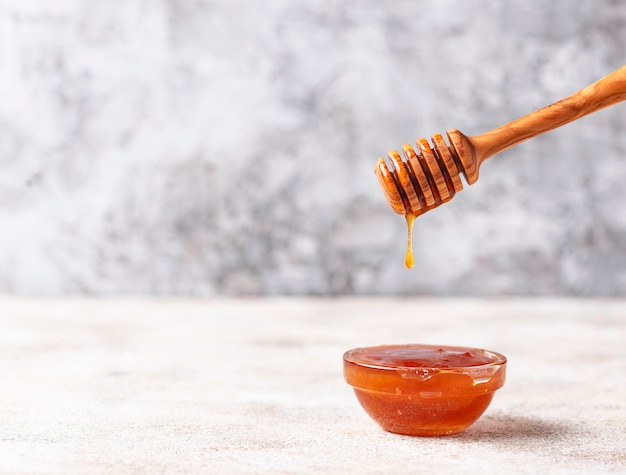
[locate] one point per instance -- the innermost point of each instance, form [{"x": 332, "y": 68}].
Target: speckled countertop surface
[{"x": 255, "y": 386}]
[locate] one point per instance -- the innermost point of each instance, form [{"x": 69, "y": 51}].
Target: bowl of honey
[{"x": 424, "y": 390}]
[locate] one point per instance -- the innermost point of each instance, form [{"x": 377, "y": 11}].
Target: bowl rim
[{"x": 498, "y": 358}]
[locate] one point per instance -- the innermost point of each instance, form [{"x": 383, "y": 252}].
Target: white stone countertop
[{"x": 256, "y": 386}]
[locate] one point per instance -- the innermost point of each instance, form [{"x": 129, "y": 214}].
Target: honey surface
[{"x": 422, "y": 357}]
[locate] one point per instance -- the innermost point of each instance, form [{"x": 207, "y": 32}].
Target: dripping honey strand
[{"x": 408, "y": 260}]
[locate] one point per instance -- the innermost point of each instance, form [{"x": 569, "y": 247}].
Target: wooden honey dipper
[{"x": 430, "y": 175}]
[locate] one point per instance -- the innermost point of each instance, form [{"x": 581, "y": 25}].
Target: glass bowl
[{"x": 424, "y": 390}]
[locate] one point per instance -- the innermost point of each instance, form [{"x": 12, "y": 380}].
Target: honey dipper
[{"x": 429, "y": 175}]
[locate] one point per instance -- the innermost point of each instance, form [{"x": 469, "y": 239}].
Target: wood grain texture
[
  {"x": 432, "y": 173},
  {"x": 606, "y": 92}
]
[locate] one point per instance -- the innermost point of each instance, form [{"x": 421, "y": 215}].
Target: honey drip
[{"x": 408, "y": 260}]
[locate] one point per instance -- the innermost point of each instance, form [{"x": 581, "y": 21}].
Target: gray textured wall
[{"x": 196, "y": 147}]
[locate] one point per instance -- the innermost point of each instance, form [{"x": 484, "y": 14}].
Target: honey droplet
[{"x": 408, "y": 260}]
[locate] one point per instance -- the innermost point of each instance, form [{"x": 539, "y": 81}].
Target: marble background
[{"x": 226, "y": 147}]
